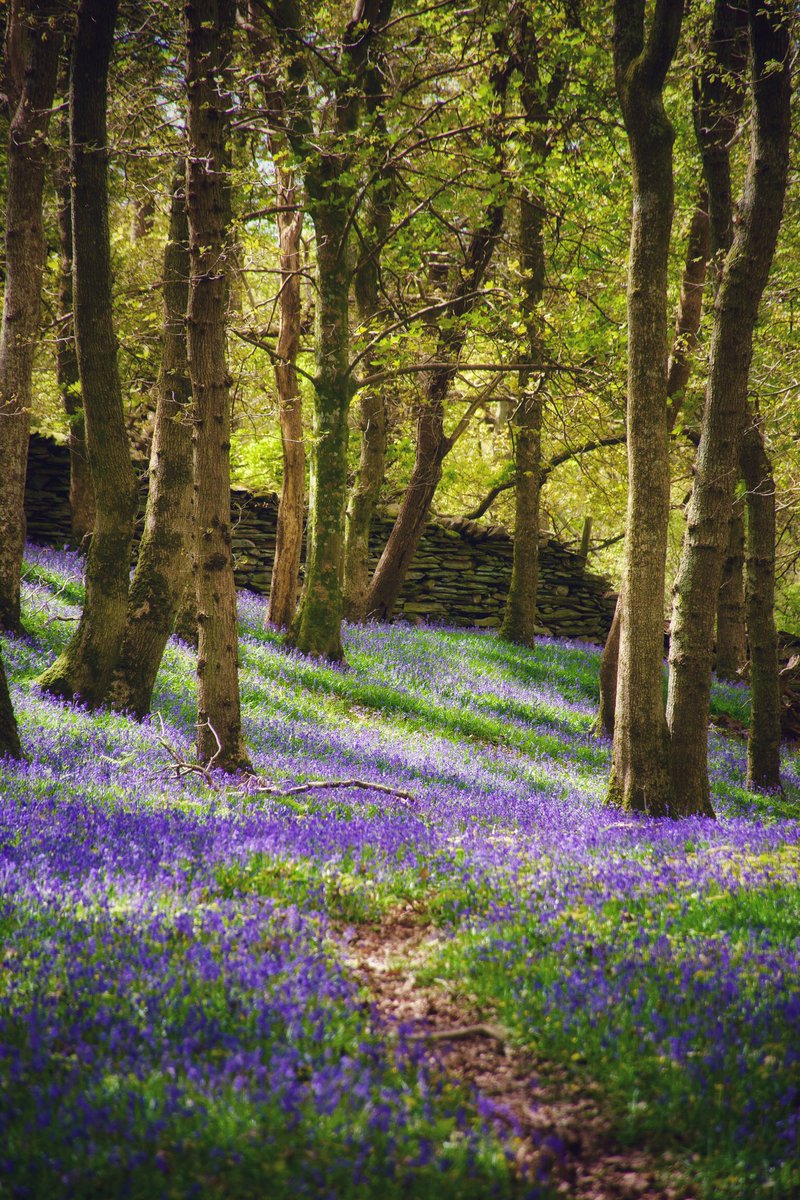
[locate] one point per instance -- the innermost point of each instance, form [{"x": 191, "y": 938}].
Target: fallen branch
[
  {"x": 316, "y": 784},
  {"x": 465, "y": 1031},
  {"x": 182, "y": 766}
]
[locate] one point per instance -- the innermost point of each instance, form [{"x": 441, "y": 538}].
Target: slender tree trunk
[
  {"x": 432, "y": 446},
  {"x": 731, "y": 648},
  {"x": 764, "y": 743},
  {"x": 84, "y": 667},
  {"x": 9, "y": 733},
  {"x": 744, "y": 277},
  {"x": 81, "y": 489},
  {"x": 209, "y": 35},
  {"x": 640, "y": 761},
  {"x": 679, "y": 369},
  {"x": 519, "y": 618},
  {"x": 35, "y": 44},
  {"x": 317, "y": 626},
  {"x": 372, "y": 420},
  {"x": 163, "y": 567},
  {"x": 363, "y": 499},
  {"x": 284, "y": 584}
]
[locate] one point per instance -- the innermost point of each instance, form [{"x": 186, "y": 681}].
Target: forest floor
[{"x": 460, "y": 976}]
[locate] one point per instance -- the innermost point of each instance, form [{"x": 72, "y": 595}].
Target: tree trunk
[
  {"x": 81, "y": 489},
  {"x": 84, "y": 667},
  {"x": 731, "y": 649},
  {"x": 745, "y": 274},
  {"x": 9, "y": 733},
  {"x": 377, "y": 222},
  {"x": 317, "y": 626},
  {"x": 284, "y": 584},
  {"x": 35, "y": 43},
  {"x": 679, "y": 368},
  {"x": 209, "y": 30},
  {"x": 432, "y": 446},
  {"x": 640, "y": 762},
  {"x": 363, "y": 500},
  {"x": 163, "y": 567},
  {"x": 764, "y": 743}
]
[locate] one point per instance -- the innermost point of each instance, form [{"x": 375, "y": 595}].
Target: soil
[{"x": 562, "y": 1128}]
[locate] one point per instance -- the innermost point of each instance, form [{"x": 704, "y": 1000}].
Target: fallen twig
[
  {"x": 317, "y": 784},
  {"x": 464, "y": 1031}
]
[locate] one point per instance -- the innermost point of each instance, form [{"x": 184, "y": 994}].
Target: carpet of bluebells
[{"x": 176, "y": 1016}]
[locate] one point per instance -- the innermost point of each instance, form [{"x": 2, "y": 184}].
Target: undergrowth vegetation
[{"x": 176, "y": 1013}]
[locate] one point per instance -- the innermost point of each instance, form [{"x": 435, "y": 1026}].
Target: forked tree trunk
[
  {"x": 764, "y": 743},
  {"x": 84, "y": 667},
  {"x": 81, "y": 489},
  {"x": 640, "y": 759},
  {"x": 209, "y": 36},
  {"x": 34, "y": 44},
  {"x": 9, "y": 732},
  {"x": 745, "y": 274},
  {"x": 731, "y": 648},
  {"x": 284, "y": 585},
  {"x": 163, "y": 566},
  {"x": 679, "y": 369}
]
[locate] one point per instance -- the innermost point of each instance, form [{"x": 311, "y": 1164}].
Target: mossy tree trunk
[
  {"x": 372, "y": 416},
  {"x": 519, "y": 617},
  {"x": 327, "y": 155},
  {"x": 745, "y": 273},
  {"x": 31, "y": 69},
  {"x": 640, "y": 758},
  {"x": 764, "y": 742},
  {"x": 209, "y": 37},
  {"x": 163, "y": 567},
  {"x": 85, "y": 666},
  {"x": 81, "y": 489},
  {"x": 285, "y": 581},
  {"x": 679, "y": 369},
  {"x": 317, "y": 626}
]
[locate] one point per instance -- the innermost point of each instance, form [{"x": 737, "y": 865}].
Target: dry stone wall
[{"x": 459, "y": 576}]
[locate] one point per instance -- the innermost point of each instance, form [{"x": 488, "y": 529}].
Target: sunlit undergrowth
[{"x": 175, "y": 1014}]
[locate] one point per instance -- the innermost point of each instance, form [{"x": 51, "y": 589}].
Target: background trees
[{"x": 426, "y": 209}]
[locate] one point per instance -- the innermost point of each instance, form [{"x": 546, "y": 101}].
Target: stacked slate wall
[{"x": 460, "y": 574}]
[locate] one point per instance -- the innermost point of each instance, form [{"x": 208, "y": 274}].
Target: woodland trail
[{"x": 560, "y": 1127}]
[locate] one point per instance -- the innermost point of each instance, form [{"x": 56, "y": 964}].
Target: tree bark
[
  {"x": 317, "y": 625},
  {"x": 372, "y": 404},
  {"x": 764, "y": 743},
  {"x": 731, "y": 652},
  {"x": 209, "y": 37},
  {"x": 84, "y": 667},
  {"x": 81, "y": 489},
  {"x": 285, "y": 582},
  {"x": 35, "y": 43},
  {"x": 640, "y": 759},
  {"x": 744, "y": 277},
  {"x": 519, "y": 617},
  {"x": 163, "y": 567},
  {"x": 9, "y": 732},
  {"x": 679, "y": 368}
]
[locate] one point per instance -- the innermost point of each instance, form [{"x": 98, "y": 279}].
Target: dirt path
[{"x": 562, "y": 1127}]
